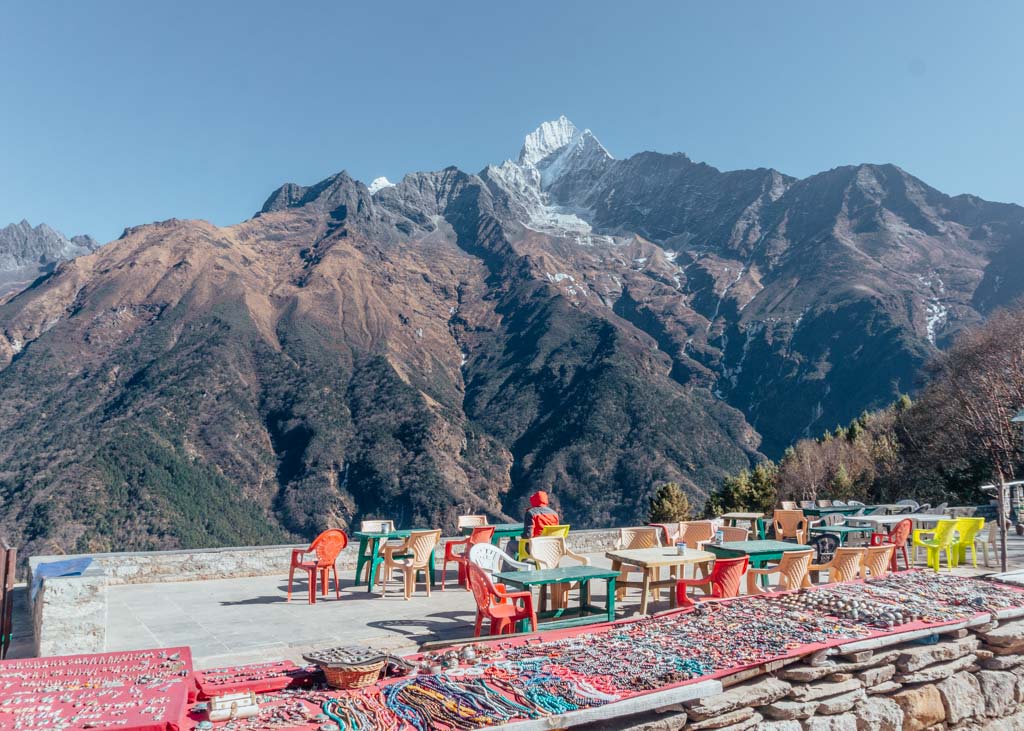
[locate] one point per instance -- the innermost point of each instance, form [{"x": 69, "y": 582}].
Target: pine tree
[{"x": 669, "y": 504}]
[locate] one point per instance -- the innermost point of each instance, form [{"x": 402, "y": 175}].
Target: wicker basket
[{"x": 352, "y": 676}]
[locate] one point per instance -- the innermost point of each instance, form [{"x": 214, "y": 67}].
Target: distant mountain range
[
  {"x": 28, "y": 252},
  {"x": 451, "y": 342}
]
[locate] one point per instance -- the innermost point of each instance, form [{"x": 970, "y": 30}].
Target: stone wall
[{"x": 971, "y": 678}]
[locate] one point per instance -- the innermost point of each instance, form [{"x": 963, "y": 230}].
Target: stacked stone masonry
[{"x": 967, "y": 680}]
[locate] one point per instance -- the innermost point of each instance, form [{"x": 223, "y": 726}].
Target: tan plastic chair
[
  {"x": 421, "y": 545},
  {"x": 790, "y": 524},
  {"x": 991, "y": 540},
  {"x": 824, "y": 503},
  {"x": 695, "y": 533},
  {"x": 844, "y": 566},
  {"x": 471, "y": 521},
  {"x": 548, "y": 552},
  {"x": 788, "y": 505},
  {"x": 730, "y": 533},
  {"x": 630, "y": 538},
  {"x": 877, "y": 561},
  {"x": 792, "y": 571},
  {"x": 376, "y": 526}
]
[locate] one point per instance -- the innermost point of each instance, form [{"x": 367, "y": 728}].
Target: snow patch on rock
[{"x": 379, "y": 184}]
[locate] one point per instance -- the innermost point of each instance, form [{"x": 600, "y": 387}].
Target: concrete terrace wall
[{"x": 69, "y": 613}]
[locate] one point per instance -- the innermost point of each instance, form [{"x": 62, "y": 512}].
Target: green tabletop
[
  {"x": 760, "y": 552},
  {"x": 501, "y": 530},
  {"x": 841, "y": 531},
  {"x": 840, "y": 509},
  {"x": 587, "y": 613},
  {"x": 369, "y": 552}
]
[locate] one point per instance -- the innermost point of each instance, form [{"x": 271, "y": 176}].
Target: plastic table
[
  {"x": 372, "y": 559},
  {"x": 650, "y": 561},
  {"x": 760, "y": 552},
  {"x": 501, "y": 531},
  {"x": 556, "y": 618}
]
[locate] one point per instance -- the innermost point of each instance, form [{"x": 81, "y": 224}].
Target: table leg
[
  {"x": 646, "y": 589},
  {"x": 584, "y": 596},
  {"x": 374, "y": 562},
  {"x": 610, "y": 599},
  {"x": 759, "y": 564},
  {"x": 617, "y": 566},
  {"x": 543, "y": 597},
  {"x": 761, "y": 530},
  {"x": 433, "y": 570}
]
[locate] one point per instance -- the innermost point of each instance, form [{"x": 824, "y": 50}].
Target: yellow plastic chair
[
  {"x": 941, "y": 539},
  {"x": 548, "y": 531},
  {"x": 967, "y": 530}
]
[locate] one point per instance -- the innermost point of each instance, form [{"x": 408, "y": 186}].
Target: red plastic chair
[
  {"x": 503, "y": 608},
  {"x": 480, "y": 534},
  {"x": 326, "y": 546},
  {"x": 898, "y": 536},
  {"x": 724, "y": 581}
]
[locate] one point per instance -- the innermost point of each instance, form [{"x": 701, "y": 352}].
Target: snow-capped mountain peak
[
  {"x": 378, "y": 183},
  {"x": 547, "y": 138}
]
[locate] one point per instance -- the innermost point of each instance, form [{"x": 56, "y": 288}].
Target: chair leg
[
  {"x": 337, "y": 584},
  {"x": 444, "y": 573},
  {"x": 426, "y": 580},
  {"x": 291, "y": 576},
  {"x": 323, "y": 582},
  {"x": 312, "y": 586},
  {"x": 410, "y": 582},
  {"x": 479, "y": 622}
]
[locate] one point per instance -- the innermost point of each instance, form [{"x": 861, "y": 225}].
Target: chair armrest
[
  {"x": 819, "y": 566},
  {"x": 582, "y": 559},
  {"x": 878, "y": 539},
  {"x": 764, "y": 572},
  {"x": 520, "y": 565},
  {"x": 694, "y": 582},
  {"x": 919, "y": 532}
]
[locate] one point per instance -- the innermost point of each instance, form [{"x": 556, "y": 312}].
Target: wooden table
[
  {"x": 556, "y": 618},
  {"x": 501, "y": 530},
  {"x": 756, "y": 521},
  {"x": 373, "y": 559},
  {"x": 760, "y": 552},
  {"x": 651, "y": 561}
]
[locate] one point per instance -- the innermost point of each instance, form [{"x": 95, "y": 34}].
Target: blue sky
[{"x": 120, "y": 113}]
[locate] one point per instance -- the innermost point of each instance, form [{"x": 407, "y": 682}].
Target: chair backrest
[
  {"x": 877, "y": 560},
  {"x": 923, "y": 508},
  {"x": 787, "y": 505},
  {"x": 846, "y": 564},
  {"x": 465, "y": 521},
  {"x": 492, "y": 559},
  {"x": 377, "y": 526},
  {"x": 482, "y": 586},
  {"x": 734, "y": 533},
  {"x": 554, "y": 530},
  {"x": 726, "y": 576},
  {"x": 641, "y": 537},
  {"x": 824, "y": 503},
  {"x": 839, "y": 504},
  {"x": 327, "y": 546},
  {"x": 825, "y": 546},
  {"x": 834, "y": 519},
  {"x": 900, "y": 533},
  {"x": 420, "y": 544},
  {"x": 969, "y": 528},
  {"x": 547, "y": 551},
  {"x": 788, "y": 522},
  {"x": 803, "y": 505},
  {"x": 914, "y": 505},
  {"x": 693, "y": 532},
  {"x": 993, "y": 533},
  {"x": 855, "y": 503},
  {"x": 793, "y": 569},
  {"x": 481, "y": 534},
  {"x": 944, "y": 531},
  {"x": 940, "y": 508}
]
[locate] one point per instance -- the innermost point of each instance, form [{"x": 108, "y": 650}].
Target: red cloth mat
[
  {"x": 259, "y": 678},
  {"x": 139, "y": 690}
]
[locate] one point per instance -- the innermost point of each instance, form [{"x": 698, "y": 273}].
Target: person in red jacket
[{"x": 539, "y": 515}]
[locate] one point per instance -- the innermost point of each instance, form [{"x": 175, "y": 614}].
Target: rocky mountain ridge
[
  {"x": 28, "y": 252},
  {"x": 451, "y": 342}
]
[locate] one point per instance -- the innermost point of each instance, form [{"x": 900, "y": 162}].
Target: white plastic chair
[{"x": 492, "y": 559}]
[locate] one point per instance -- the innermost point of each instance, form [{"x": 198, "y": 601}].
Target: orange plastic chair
[
  {"x": 326, "y": 546},
  {"x": 722, "y": 583},
  {"x": 503, "y": 608},
  {"x": 480, "y": 534},
  {"x": 897, "y": 537},
  {"x": 790, "y": 524}
]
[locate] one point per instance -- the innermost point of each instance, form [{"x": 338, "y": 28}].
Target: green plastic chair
[
  {"x": 967, "y": 530},
  {"x": 942, "y": 539}
]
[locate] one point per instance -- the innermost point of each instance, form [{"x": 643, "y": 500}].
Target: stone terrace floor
[{"x": 230, "y": 621}]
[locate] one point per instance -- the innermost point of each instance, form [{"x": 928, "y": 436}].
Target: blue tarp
[{"x": 71, "y": 567}]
